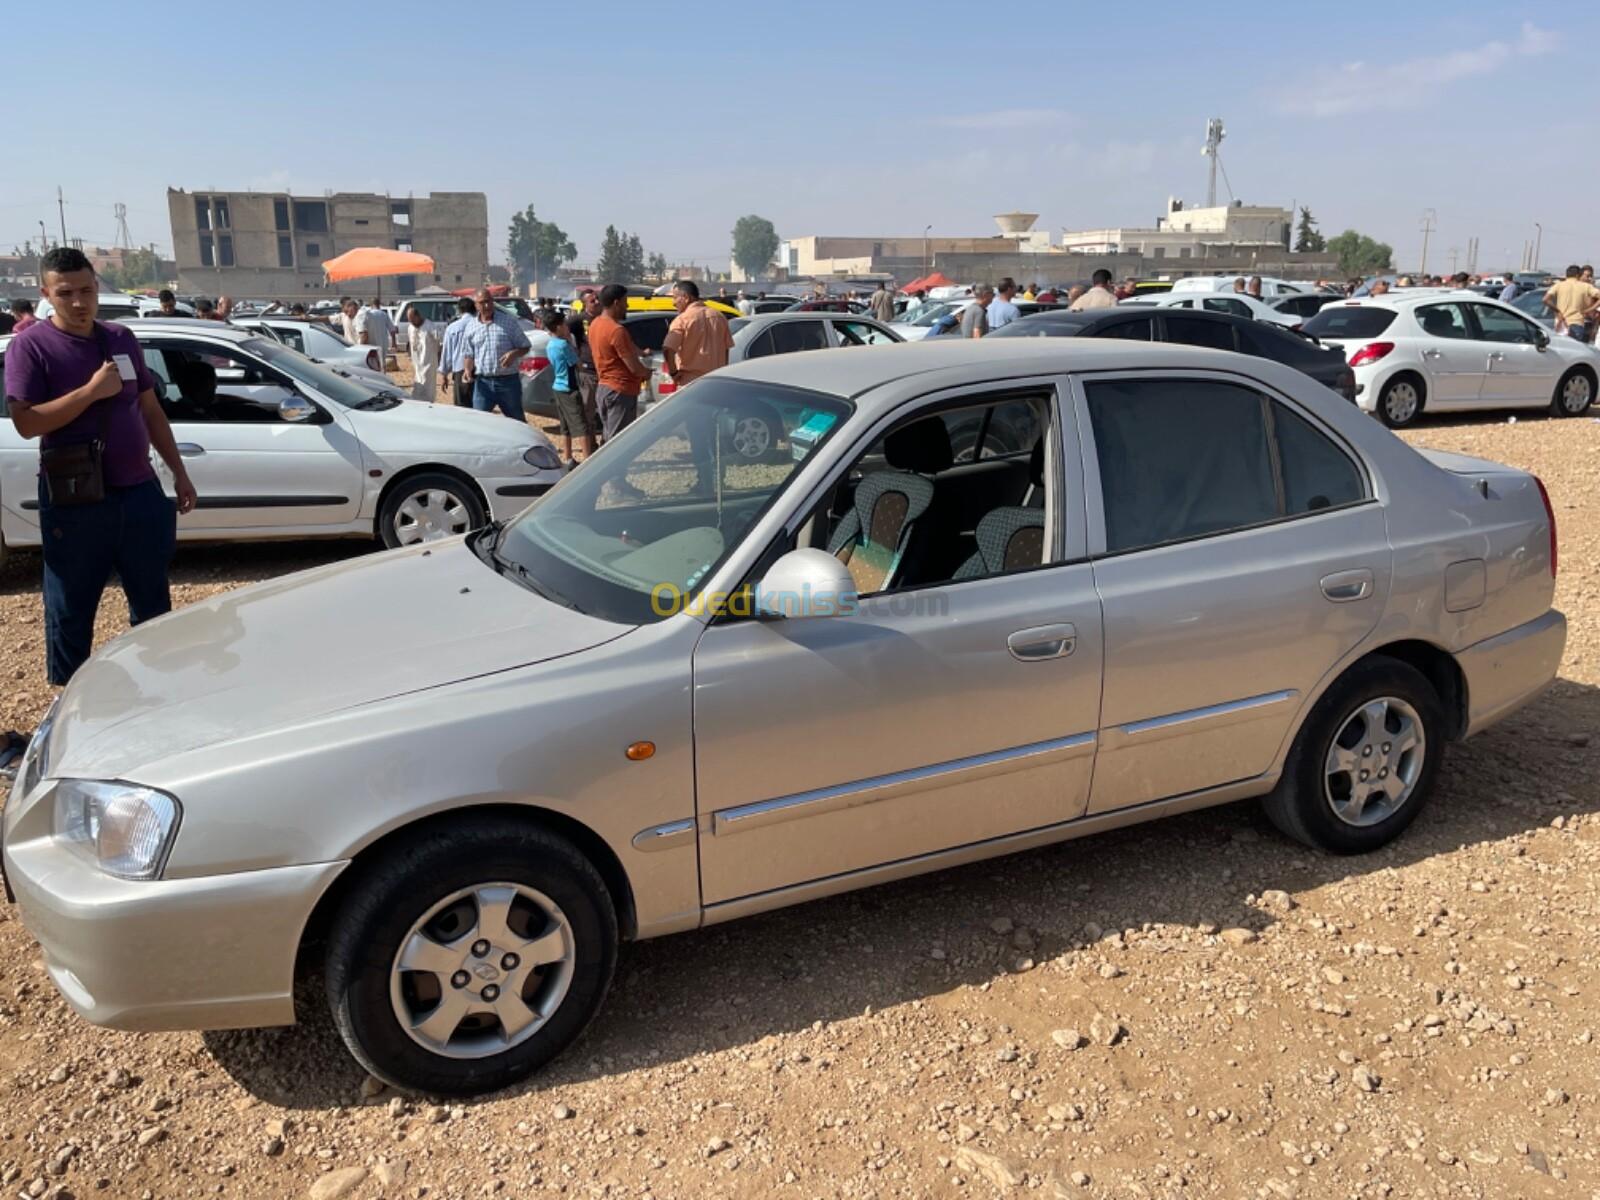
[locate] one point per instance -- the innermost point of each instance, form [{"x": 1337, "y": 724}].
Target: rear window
[
  {"x": 1349, "y": 321},
  {"x": 1042, "y": 325}
]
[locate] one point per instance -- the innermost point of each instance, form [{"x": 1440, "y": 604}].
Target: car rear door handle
[
  {"x": 1497, "y": 356},
  {"x": 190, "y": 449},
  {"x": 1042, "y": 642},
  {"x": 1345, "y": 586}
]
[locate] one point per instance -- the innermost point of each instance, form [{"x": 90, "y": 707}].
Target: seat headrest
[
  {"x": 195, "y": 377},
  {"x": 923, "y": 447},
  {"x": 1036, "y": 464}
]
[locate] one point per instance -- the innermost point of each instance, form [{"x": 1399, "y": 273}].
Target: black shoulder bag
[{"x": 75, "y": 474}]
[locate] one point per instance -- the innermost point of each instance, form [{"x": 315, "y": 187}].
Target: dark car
[
  {"x": 831, "y": 305},
  {"x": 1219, "y": 331}
]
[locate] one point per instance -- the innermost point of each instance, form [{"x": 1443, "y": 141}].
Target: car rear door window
[
  {"x": 1226, "y": 304},
  {"x": 1444, "y": 321},
  {"x": 1498, "y": 325},
  {"x": 1196, "y": 331},
  {"x": 1137, "y": 330},
  {"x": 1180, "y": 459}
]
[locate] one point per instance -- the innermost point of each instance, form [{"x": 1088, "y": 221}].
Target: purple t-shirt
[{"x": 45, "y": 363}]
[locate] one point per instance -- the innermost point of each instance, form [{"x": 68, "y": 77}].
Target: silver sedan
[{"x": 684, "y": 687}]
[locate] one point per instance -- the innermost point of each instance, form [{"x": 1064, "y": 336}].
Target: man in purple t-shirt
[{"x": 69, "y": 380}]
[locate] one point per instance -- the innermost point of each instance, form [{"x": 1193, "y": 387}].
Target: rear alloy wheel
[
  {"x": 464, "y": 960},
  {"x": 427, "y": 508},
  {"x": 1574, "y": 394},
  {"x": 1400, "y": 403},
  {"x": 1364, "y": 762}
]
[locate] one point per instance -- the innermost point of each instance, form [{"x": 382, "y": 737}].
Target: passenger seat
[{"x": 881, "y": 529}]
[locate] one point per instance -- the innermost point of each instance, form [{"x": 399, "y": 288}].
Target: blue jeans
[
  {"x": 1578, "y": 331},
  {"x": 133, "y": 532},
  {"x": 504, "y": 392}
]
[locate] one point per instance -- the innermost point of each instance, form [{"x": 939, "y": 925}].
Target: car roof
[
  {"x": 957, "y": 361},
  {"x": 1411, "y": 297},
  {"x": 190, "y": 325}
]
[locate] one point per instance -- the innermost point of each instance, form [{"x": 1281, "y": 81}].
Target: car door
[
  {"x": 250, "y": 467},
  {"x": 946, "y": 709},
  {"x": 1239, "y": 554},
  {"x": 1522, "y": 367},
  {"x": 1454, "y": 360}
]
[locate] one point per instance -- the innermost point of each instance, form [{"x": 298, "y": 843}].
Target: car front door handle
[
  {"x": 190, "y": 449},
  {"x": 1042, "y": 642},
  {"x": 1430, "y": 354},
  {"x": 1344, "y": 586}
]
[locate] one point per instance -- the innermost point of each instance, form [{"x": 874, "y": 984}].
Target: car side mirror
[
  {"x": 296, "y": 409},
  {"x": 807, "y": 583},
  {"x": 1541, "y": 339}
]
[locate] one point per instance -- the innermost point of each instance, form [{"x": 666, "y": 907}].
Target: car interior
[
  {"x": 193, "y": 384},
  {"x": 950, "y": 497}
]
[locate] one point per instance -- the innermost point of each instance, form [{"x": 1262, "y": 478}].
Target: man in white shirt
[
  {"x": 422, "y": 343},
  {"x": 374, "y": 328},
  {"x": 746, "y": 306},
  {"x": 346, "y": 321}
]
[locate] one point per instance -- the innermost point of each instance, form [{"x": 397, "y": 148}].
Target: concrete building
[
  {"x": 267, "y": 244},
  {"x": 1230, "y": 231},
  {"x": 816, "y": 256}
]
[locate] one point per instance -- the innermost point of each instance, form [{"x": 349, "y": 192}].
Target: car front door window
[{"x": 859, "y": 333}]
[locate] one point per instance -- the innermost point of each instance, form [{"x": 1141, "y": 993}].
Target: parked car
[
  {"x": 680, "y": 690},
  {"x": 1531, "y": 305},
  {"x": 832, "y": 304},
  {"x": 1453, "y": 351},
  {"x": 772, "y": 304},
  {"x": 442, "y": 309},
  {"x": 1271, "y": 287},
  {"x": 317, "y": 341},
  {"x": 1301, "y": 305},
  {"x": 117, "y": 306},
  {"x": 922, "y": 322},
  {"x": 787, "y": 332},
  {"x": 1235, "y": 303},
  {"x": 1215, "y": 330},
  {"x": 279, "y": 446}
]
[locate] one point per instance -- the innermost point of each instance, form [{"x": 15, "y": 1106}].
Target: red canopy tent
[
  {"x": 911, "y": 287},
  {"x": 929, "y": 282}
]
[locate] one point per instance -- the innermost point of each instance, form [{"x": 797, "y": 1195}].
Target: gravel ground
[{"x": 1191, "y": 1008}]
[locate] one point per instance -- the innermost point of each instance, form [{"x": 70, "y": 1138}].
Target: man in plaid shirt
[{"x": 493, "y": 345}]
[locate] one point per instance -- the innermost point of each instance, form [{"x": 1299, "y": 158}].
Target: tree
[
  {"x": 533, "y": 244},
  {"x": 658, "y": 266},
  {"x": 755, "y": 241},
  {"x": 1306, "y": 238},
  {"x": 622, "y": 257},
  {"x": 1360, "y": 255},
  {"x": 141, "y": 269}
]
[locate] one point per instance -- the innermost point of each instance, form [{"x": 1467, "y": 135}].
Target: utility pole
[
  {"x": 1455, "y": 252},
  {"x": 155, "y": 266},
  {"x": 44, "y": 239},
  {"x": 1538, "y": 245},
  {"x": 1214, "y": 136},
  {"x": 61, "y": 207},
  {"x": 1429, "y": 224}
]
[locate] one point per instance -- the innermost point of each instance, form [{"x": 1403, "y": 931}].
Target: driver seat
[
  {"x": 196, "y": 382},
  {"x": 883, "y": 522}
]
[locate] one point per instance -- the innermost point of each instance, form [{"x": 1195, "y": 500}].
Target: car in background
[
  {"x": 1205, "y": 581},
  {"x": 831, "y": 304},
  {"x": 1444, "y": 351},
  {"x": 772, "y": 304},
  {"x": 1301, "y": 305},
  {"x": 1531, "y": 305},
  {"x": 1271, "y": 286},
  {"x": 1233, "y": 303},
  {"x": 652, "y": 304},
  {"x": 118, "y": 306},
  {"x": 921, "y": 323},
  {"x": 788, "y": 332},
  {"x": 281, "y": 447},
  {"x": 1213, "y": 330},
  {"x": 442, "y": 310},
  {"x": 318, "y": 342}
]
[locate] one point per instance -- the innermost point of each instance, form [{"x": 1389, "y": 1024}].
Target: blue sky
[{"x": 672, "y": 120}]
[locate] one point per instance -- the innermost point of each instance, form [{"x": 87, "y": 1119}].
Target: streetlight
[
  {"x": 1536, "y": 245},
  {"x": 926, "y": 261}
]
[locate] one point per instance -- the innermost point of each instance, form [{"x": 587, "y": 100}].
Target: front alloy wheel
[
  {"x": 1574, "y": 394},
  {"x": 428, "y": 508}
]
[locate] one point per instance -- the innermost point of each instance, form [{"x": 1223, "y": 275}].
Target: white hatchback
[
  {"x": 279, "y": 446},
  {"x": 1234, "y": 303},
  {"x": 1447, "y": 351}
]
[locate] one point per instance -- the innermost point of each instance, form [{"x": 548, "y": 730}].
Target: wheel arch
[
  {"x": 588, "y": 842},
  {"x": 427, "y": 468}
]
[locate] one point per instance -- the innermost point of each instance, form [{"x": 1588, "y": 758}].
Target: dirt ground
[{"x": 1192, "y": 1008}]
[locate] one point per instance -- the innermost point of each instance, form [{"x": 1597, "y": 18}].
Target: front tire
[
  {"x": 465, "y": 960},
  {"x": 1574, "y": 394},
  {"x": 428, "y": 507},
  {"x": 1400, "y": 402},
  {"x": 1365, "y": 761}
]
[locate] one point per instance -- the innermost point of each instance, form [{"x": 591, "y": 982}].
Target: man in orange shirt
[
  {"x": 698, "y": 340},
  {"x": 616, "y": 362}
]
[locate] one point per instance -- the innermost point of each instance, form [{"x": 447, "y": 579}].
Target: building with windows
[
  {"x": 1229, "y": 231},
  {"x": 273, "y": 244}
]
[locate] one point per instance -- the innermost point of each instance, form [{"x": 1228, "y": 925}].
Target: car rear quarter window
[
  {"x": 1180, "y": 459},
  {"x": 1349, "y": 321},
  {"x": 1316, "y": 473},
  {"x": 1196, "y": 331},
  {"x": 789, "y": 336}
]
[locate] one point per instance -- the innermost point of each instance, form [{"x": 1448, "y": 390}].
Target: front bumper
[
  {"x": 215, "y": 952},
  {"x": 508, "y": 496},
  {"x": 1506, "y": 671}
]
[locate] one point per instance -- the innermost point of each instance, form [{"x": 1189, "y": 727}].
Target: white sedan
[
  {"x": 318, "y": 341},
  {"x": 1235, "y": 303},
  {"x": 1445, "y": 351},
  {"x": 279, "y": 446}
]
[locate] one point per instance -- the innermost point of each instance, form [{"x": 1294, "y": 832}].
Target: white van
[{"x": 1270, "y": 288}]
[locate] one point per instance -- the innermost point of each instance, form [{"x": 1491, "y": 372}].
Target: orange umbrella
[{"x": 371, "y": 262}]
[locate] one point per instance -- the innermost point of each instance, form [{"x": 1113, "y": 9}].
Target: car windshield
[
  {"x": 338, "y": 388},
  {"x": 932, "y": 310},
  {"x": 655, "y": 515},
  {"x": 1349, "y": 321}
]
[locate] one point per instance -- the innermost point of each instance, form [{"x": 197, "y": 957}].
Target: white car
[
  {"x": 117, "y": 306},
  {"x": 279, "y": 446},
  {"x": 320, "y": 343},
  {"x": 1236, "y": 303},
  {"x": 1448, "y": 351},
  {"x": 1270, "y": 286}
]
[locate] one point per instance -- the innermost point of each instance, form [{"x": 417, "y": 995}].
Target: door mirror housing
[
  {"x": 807, "y": 583},
  {"x": 296, "y": 409},
  {"x": 1541, "y": 339}
]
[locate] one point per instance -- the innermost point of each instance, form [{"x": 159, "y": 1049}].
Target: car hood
[
  {"x": 303, "y": 646},
  {"x": 445, "y": 429}
]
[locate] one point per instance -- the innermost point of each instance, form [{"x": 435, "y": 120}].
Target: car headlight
[
  {"x": 543, "y": 457},
  {"x": 124, "y": 829}
]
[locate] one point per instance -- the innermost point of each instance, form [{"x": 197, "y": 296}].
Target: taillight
[
  {"x": 532, "y": 364},
  {"x": 1550, "y": 515},
  {"x": 1370, "y": 353},
  {"x": 667, "y": 386},
  {"x": 374, "y": 363}
]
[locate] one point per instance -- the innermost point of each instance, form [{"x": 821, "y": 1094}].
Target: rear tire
[
  {"x": 1574, "y": 393},
  {"x": 1362, "y": 722},
  {"x": 1400, "y": 403},
  {"x": 456, "y": 918},
  {"x": 428, "y": 507}
]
